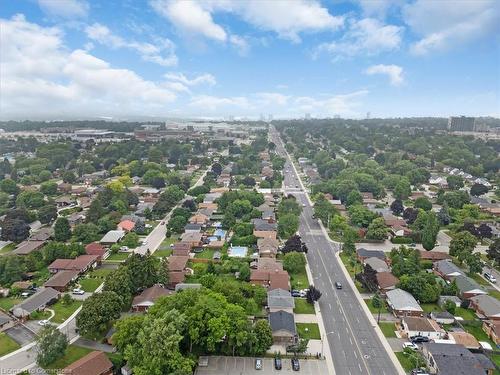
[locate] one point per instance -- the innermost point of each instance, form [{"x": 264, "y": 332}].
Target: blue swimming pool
[{"x": 237, "y": 251}]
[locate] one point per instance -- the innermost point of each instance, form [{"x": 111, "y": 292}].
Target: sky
[{"x": 154, "y": 59}]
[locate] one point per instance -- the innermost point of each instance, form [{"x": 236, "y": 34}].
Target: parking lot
[{"x": 246, "y": 366}]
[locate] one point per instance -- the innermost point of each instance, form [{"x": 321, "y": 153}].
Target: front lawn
[
  {"x": 73, "y": 353},
  {"x": 349, "y": 264},
  {"x": 494, "y": 293},
  {"x": 90, "y": 284},
  {"x": 409, "y": 360},
  {"x": 299, "y": 280},
  {"x": 479, "y": 279},
  {"x": 476, "y": 331},
  {"x": 374, "y": 310},
  {"x": 303, "y": 307},
  {"x": 7, "y": 345},
  {"x": 388, "y": 329},
  {"x": 117, "y": 257},
  {"x": 162, "y": 253},
  {"x": 312, "y": 332},
  {"x": 466, "y": 314},
  {"x": 63, "y": 312}
]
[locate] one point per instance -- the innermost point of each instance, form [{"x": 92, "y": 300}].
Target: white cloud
[
  {"x": 444, "y": 25},
  {"x": 41, "y": 78},
  {"x": 206, "y": 78},
  {"x": 394, "y": 72},
  {"x": 208, "y": 103},
  {"x": 272, "y": 98},
  {"x": 367, "y": 36},
  {"x": 162, "y": 52},
  {"x": 344, "y": 104},
  {"x": 240, "y": 43},
  {"x": 64, "y": 8}
]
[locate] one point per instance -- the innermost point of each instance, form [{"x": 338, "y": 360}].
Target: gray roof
[
  {"x": 489, "y": 306},
  {"x": 190, "y": 226},
  {"x": 441, "y": 315},
  {"x": 113, "y": 236},
  {"x": 466, "y": 284},
  {"x": 362, "y": 252},
  {"x": 263, "y": 225},
  {"x": 282, "y": 320},
  {"x": 182, "y": 286},
  {"x": 37, "y": 300},
  {"x": 446, "y": 267},
  {"x": 453, "y": 359},
  {"x": 377, "y": 264},
  {"x": 402, "y": 300},
  {"x": 280, "y": 300}
]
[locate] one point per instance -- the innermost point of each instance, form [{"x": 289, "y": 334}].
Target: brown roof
[
  {"x": 265, "y": 233},
  {"x": 259, "y": 275},
  {"x": 433, "y": 255},
  {"x": 150, "y": 295},
  {"x": 183, "y": 246},
  {"x": 191, "y": 237},
  {"x": 269, "y": 264},
  {"x": 94, "y": 363},
  {"x": 95, "y": 248},
  {"x": 386, "y": 279},
  {"x": 61, "y": 279},
  {"x": 26, "y": 247},
  {"x": 279, "y": 280},
  {"x": 126, "y": 224},
  {"x": 177, "y": 263},
  {"x": 175, "y": 277},
  {"x": 421, "y": 324},
  {"x": 79, "y": 263},
  {"x": 465, "y": 339}
]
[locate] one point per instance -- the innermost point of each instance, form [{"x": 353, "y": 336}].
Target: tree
[
  {"x": 450, "y": 306},
  {"x": 462, "y": 244},
  {"x": 47, "y": 213},
  {"x": 217, "y": 169},
  {"x": 248, "y": 181},
  {"x": 263, "y": 336},
  {"x": 493, "y": 251},
  {"x": 323, "y": 209},
  {"x": 177, "y": 223},
  {"x": 131, "y": 240},
  {"x": 478, "y": 190},
  {"x": 120, "y": 282},
  {"x": 484, "y": 231},
  {"x": 377, "y": 230},
  {"x": 9, "y": 186},
  {"x": 12, "y": 268},
  {"x": 287, "y": 225},
  {"x": 313, "y": 294},
  {"x": 98, "y": 311},
  {"x": 95, "y": 212},
  {"x": 410, "y": 214},
  {"x": 86, "y": 233},
  {"x": 354, "y": 198},
  {"x": 69, "y": 177},
  {"x": 361, "y": 216},
  {"x": 48, "y": 188},
  {"x": 422, "y": 286},
  {"x": 294, "y": 243},
  {"x": 51, "y": 345},
  {"x": 423, "y": 203},
  {"x": 402, "y": 190},
  {"x": 473, "y": 261},
  {"x": 289, "y": 206},
  {"x": 443, "y": 215},
  {"x": 126, "y": 331},
  {"x": 397, "y": 207},
  {"x": 30, "y": 199},
  {"x": 14, "y": 230},
  {"x": 377, "y": 303},
  {"x": 455, "y": 182},
  {"x": 62, "y": 230},
  {"x": 294, "y": 262}
]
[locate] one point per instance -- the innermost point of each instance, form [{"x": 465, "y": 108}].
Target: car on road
[
  {"x": 490, "y": 277},
  {"x": 43, "y": 322},
  {"x": 338, "y": 285},
  {"x": 295, "y": 364},
  {"x": 419, "y": 339},
  {"x": 78, "y": 291},
  {"x": 277, "y": 363},
  {"x": 258, "y": 364},
  {"x": 410, "y": 345},
  {"x": 303, "y": 204},
  {"x": 162, "y": 223},
  {"x": 418, "y": 371}
]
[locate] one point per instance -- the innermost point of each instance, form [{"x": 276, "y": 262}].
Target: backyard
[
  {"x": 90, "y": 284},
  {"x": 205, "y": 254}
]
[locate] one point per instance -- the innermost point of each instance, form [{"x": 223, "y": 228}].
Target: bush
[{"x": 401, "y": 240}]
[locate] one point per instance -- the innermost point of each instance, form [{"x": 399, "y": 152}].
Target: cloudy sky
[{"x": 180, "y": 58}]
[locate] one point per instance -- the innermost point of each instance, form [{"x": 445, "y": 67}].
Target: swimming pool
[{"x": 237, "y": 251}]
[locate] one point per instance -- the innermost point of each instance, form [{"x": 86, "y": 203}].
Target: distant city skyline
[{"x": 119, "y": 60}]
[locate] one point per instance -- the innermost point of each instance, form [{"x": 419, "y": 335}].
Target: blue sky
[{"x": 218, "y": 58}]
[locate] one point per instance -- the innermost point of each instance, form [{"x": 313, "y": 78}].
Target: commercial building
[{"x": 461, "y": 123}]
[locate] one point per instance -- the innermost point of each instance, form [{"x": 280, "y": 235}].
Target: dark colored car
[
  {"x": 419, "y": 339},
  {"x": 277, "y": 363},
  {"x": 295, "y": 364},
  {"x": 295, "y": 293},
  {"x": 338, "y": 285}
]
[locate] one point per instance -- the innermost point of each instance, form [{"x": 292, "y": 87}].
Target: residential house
[
  {"x": 467, "y": 287},
  {"x": 84, "y": 202},
  {"x": 268, "y": 247},
  {"x": 269, "y": 264},
  {"x": 64, "y": 187},
  {"x": 443, "y": 317},
  {"x": 63, "y": 201},
  {"x": 199, "y": 219},
  {"x": 192, "y": 228},
  {"x": 418, "y": 326},
  {"x": 151, "y": 192},
  {"x": 402, "y": 303},
  {"x": 283, "y": 327},
  {"x": 377, "y": 264},
  {"x": 492, "y": 329},
  {"x": 271, "y": 234},
  {"x": 269, "y": 216},
  {"x": 43, "y": 234},
  {"x": 466, "y": 339},
  {"x": 279, "y": 280},
  {"x": 94, "y": 363},
  {"x": 61, "y": 280},
  {"x": 194, "y": 238},
  {"x": 363, "y": 254},
  {"x": 280, "y": 299},
  {"x": 38, "y": 301},
  {"x": 177, "y": 269},
  {"x": 148, "y": 297},
  {"x": 81, "y": 264},
  {"x": 433, "y": 255},
  {"x": 453, "y": 359},
  {"x": 486, "y": 306},
  {"x": 447, "y": 270},
  {"x": 112, "y": 237},
  {"x": 386, "y": 281},
  {"x": 182, "y": 248},
  {"x": 27, "y": 247},
  {"x": 126, "y": 225},
  {"x": 142, "y": 207},
  {"x": 75, "y": 218},
  {"x": 95, "y": 248}
]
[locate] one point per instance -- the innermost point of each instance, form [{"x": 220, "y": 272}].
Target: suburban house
[
  {"x": 268, "y": 247},
  {"x": 402, "y": 303},
  {"x": 182, "y": 248},
  {"x": 27, "y": 247},
  {"x": 193, "y": 238},
  {"x": 61, "y": 280},
  {"x": 126, "y": 225},
  {"x": 95, "y": 248},
  {"x": 486, "y": 306},
  {"x": 377, "y": 264},
  {"x": 148, "y": 297},
  {"x": 279, "y": 280},
  {"x": 492, "y": 329},
  {"x": 43, "y": 234},
  {"x": 272, "y": 234},
  {"x": 433, "y": 255},
  {"x": 466, "y": 339},
  {"x": 386, "y": 281},
  {"x": 192, "y": 228},
  {"x": 269, "y": 264},
  {"x": 75, "y": 218},
  {"x": 38, "y": 301},
  {"x": 280, "y": 299},
  {"x": 417, "y": 326},
  {"x": 112, "y": 237},
  {"x": 283, "y": 327},
  {"x": 199, "y": 218},
  {"x": 453, "y": 359},
  {"x": 63, "y": 201},
  {"x": 443, "y": 317},
  {"x": 447, "y": 270},
  {"x": 177, "y": 269},
  {"x": 363, "y": 254},
  {"x": 80, "y": 264},
  {"x": 467, "y": 287},
  {"x": 94, "y": 363},
  {"x": 261, "y": 225}
]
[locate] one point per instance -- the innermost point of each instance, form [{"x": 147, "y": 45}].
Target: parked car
[
  {"x": 490, "y": 277},
  {"x": 338, "y": 285},
  {"x": 277, "y": 363},
  {"x": 410, "y": 345},
  {"x": 419, "y": 371},
  {"x": 162, "y": 223},
  {"x": 419, "y": 339},
  {"x": 43, "y": 322},
  {"x": 295, "y": 364},
  {"x": 295, "y": 293},
  {"x": 258, "y": 364},
  {"x": 78, "y": 291}
]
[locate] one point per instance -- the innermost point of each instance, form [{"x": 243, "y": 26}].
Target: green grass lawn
[
  {"x": 299, "y": 280},
  {"x": 90, "y": 284},
  {"x": 117, "y": 257},
  {"x": 303, "y": 307},
  {"x": 375, "y": 310},
  {"x": 430, "y": 307},
  {"x": 467, "y": 314},
  {"x": 312, "y": 331},
  {"x": 63, "y": 312},
  {"x": 40, "y": 315},
  {"x": 347, "y": 263},
  {"x": 8, "y": 248},
  {"x": 7, "y": 345},
  {"x": 408, "y": 361},
  {"x": 162, "y": 253},
  {"x": 478, "y": 279},
  {"x": 388, "y": 329},
  {"x": 168, "y": 241},
  {"x": 205, "y": 254},
  {"x": 73, "y": 353},
  {"x": 6, "y": 303},
  {"x": 100, "y": 273},
  {"x": 494, "y": 293},
  {"x": 477, "y": 332}
]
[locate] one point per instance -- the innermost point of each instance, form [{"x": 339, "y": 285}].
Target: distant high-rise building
[
  {"x": 262, "y": 117},
  {"x": 368, "y": 114},
  {"x": 307, "y": 116},
  {"x": 461, "y": 123}
]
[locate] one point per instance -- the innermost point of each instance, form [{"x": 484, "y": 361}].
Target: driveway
[{"x": 20, "y": 334}]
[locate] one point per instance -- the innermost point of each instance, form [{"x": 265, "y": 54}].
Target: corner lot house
[
  {"x": 283, "y": 327},
  {"x": 94, "y": 363},
  {"x": 402, "y": 303},
  {"x": 61, "y": 280},
  {"x": 417, "y": 326},
  {"x": 447, "y": 270},
  {"x": 486, "y": 305},
  {"x": 36, "y": 302}
]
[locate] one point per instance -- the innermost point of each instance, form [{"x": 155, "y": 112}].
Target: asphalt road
[{"x": 354, "y": 345}]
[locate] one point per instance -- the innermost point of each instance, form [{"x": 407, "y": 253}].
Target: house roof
[
  {"x": 126, "y": 225},
  {"x": 78, "y": 264},
  {"x": 465, "y": 338},
  {"x": 191, "y": 237},
  {"x": 192, "y": 226},
  {"x": 421, "y": 324},
  {"x": 433, "y": 255},
  {"x": 182, "y": 286},
  {"x": 377, "y": 264},
  {"x": 364, "y": 253},
  {"x": 386, "y": 280},
  {"x": 269, "y": 264},
  {"x": 150, "y": 295},
  {"x": 282, "y": 320},
  {"x": 446, "y": 267},
  {"x": 264, "y": 225},
  {"x": 94, "y": 363},
  {"x": 453, "y": 359},
  {"x": 61, "y": 279},
  {"x": 26, "y": 247},
  {"x": 402, "y": 300},
  {"x": 43, "y": 234},
  {"x": 280, "y": 301},
  {"x": 489, "y": 305},
  {"x": 37, "y": 300},
  {"x": 113, "y": 236},
  {"x": 279, "y": 280},
  {"x": 466, "y": 284},
  {"x": 177, "y": 263},
  {"x": 95, "y": 248},
  {"x": 183, "y": 246}
]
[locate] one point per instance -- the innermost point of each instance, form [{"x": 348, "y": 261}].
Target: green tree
[
  {"x": 455, "y": 182},
  {"x": 98, "y": 311},
  {"x": 95, "y": 211},
  {"x": 9, "y": 186},
  {"x": 294, "y": 262},
  {"x": 47, "y": 213},
  {"x": 62, "y": 230},
  {"x": 120, "y": 282},
  {"x": 423, "y": 203},
  {"x": 323, "y": 209},
  {"x": 361, "y": 216},
  {"x": 263, "y": 335},
  {"x": 131, "y": 240},
  {"x": 493, "y": 251},
  {"x": 48, "y": 188},
  {"x": 86, "y": 233},
  {"x": 288, "y": 225},
  {"x": 69, "y": 177},
  {"x": 377, "y": 230},
  {"x": 422, "y": 286},
  {"x": 450, "y": 306},
  {"x": 402, "y": 190},
  {"x": 289, "y": 206},
  {"x": 462, "y": 245},
  {"x": 126, "y": 331},
  {"x": 177, "y": 223},
  {"x": 377, "y": 303},
  {"x": 354, "y": 198},
  {"x": 51, "y": 345}
]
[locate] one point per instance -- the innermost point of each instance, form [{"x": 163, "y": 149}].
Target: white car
[
  {"x": 78, "y": 291},
  {"x": 43, "y": 322},
  {"x": 410, "y": 345},
  {"x": 490, "y": 277},
  {"x": 303, "y": 204}
]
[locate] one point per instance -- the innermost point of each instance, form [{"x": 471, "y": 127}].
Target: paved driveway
[
  {"x": 246, "y": 366},
  {"x": 20, "y": 334}
]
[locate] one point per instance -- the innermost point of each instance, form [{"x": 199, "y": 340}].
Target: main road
[{"x": 355, "y": 347}]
